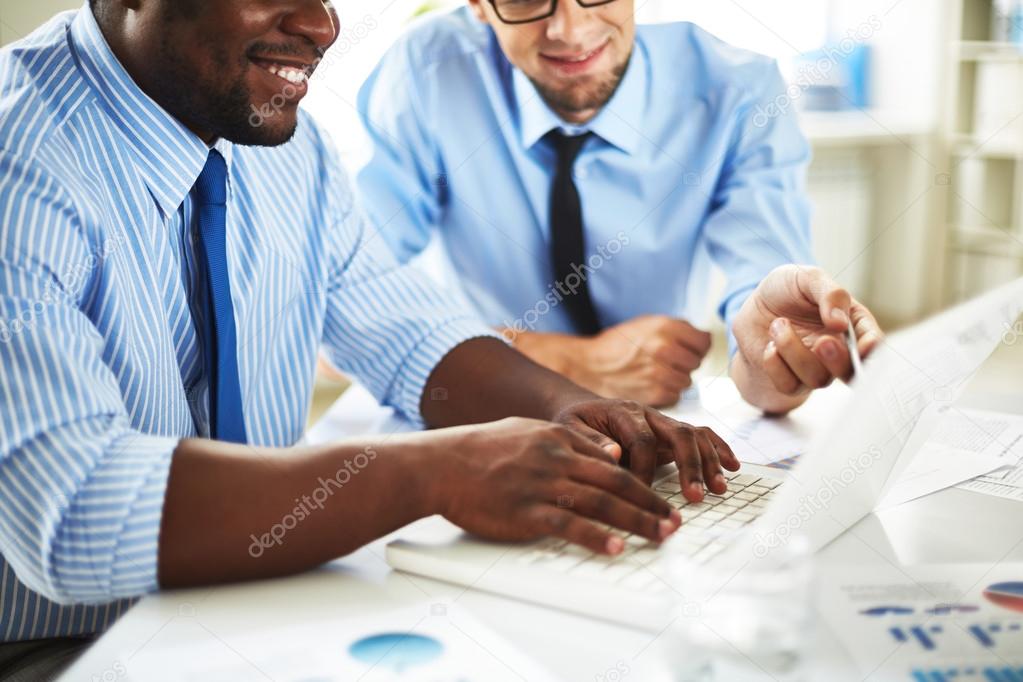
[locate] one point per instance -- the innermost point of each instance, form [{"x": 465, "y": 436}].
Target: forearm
[
  {"x": 484, "y": 380},
  {"x": 237, "y": 513},
  {"x": 757, "y": 389}
]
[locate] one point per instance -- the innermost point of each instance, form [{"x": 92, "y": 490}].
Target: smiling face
[
  {"x": 576, "y": 58},
  {"x": 235, "y": 69}
]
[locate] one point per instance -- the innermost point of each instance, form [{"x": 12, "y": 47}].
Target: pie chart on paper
[{"x": 1007, "y": 595}]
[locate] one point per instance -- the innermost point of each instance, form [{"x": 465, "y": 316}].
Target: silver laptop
[{"x": 848, "y": 467}]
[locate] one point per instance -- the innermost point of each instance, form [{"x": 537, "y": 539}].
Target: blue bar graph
[
  {"x": 982, "y": 636},
  {"x": 988, "y": 674}
]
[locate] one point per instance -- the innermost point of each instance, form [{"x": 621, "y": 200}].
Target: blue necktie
[{"x": 220, "y": 345}]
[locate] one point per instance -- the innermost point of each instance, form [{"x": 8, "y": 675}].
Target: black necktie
[{"x": 568, "y": 243}]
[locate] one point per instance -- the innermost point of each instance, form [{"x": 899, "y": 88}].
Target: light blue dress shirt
[
  {"x": 688, "y": 169},
  {"x": 100, "y": 363}
]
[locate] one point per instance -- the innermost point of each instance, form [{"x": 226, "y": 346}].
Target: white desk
[{"x": 939, "y": 527}]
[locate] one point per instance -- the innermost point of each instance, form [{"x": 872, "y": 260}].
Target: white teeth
[{"x": 288, "y": 73}]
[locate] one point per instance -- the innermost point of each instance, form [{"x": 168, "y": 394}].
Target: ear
[{"x": 477, "y": 8}]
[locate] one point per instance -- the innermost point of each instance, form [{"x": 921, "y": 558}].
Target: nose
[
  {"x": 568, "y": 25},
  {"x": 315, "y": 20}
]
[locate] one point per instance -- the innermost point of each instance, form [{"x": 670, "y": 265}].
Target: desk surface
[{"x": 938, "y": 528}]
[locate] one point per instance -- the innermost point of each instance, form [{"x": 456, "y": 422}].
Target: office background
[{"x": 914, "y": 109}]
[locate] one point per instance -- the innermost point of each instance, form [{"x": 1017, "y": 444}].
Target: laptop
[{"x": 849, "y": 465}]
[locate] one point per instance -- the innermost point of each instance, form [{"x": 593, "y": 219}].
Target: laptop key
[
  {"x": 561, "y": 563},
  {"x": 744, "y": 480},
  {"x": 639, "y": 580},
  {"x": 617, "y": 572},
  {"x": 745, "y": 496}
]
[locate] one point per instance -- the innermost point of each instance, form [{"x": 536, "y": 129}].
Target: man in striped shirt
[{"x": 177, "y": 242}]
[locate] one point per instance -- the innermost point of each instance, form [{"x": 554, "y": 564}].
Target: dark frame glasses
[{"x": 546, "y": 14}]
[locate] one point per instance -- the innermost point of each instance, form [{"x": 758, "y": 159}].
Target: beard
[
  {"x": 224, "y": 109},
  {"x": 584, "y": 96}
]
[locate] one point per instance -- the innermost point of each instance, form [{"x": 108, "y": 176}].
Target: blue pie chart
[{"x": 396, "y": 650}]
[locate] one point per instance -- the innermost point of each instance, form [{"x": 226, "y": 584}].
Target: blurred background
[{"x": 914, "y": 109}]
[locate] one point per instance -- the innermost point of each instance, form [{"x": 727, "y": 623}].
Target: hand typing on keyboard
[
  {"x": 521, "y": 479},
  {"x": 642, "y": 438}
]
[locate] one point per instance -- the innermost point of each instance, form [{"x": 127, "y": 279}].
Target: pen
[{"x": 854, "y": 353}]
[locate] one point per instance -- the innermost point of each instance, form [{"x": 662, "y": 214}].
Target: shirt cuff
[
  {"x": 107, "y": 545},
  {"x": 421, "y": 362},
  {"x": 729, "y": 310}
]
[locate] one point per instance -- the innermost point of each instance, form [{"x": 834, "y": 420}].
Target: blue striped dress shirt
[{"x": 100, "y": 364}]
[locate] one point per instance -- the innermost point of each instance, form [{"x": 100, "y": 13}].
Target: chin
[{"x": 270, "y": 134}]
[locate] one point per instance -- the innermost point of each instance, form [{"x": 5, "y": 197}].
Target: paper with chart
[
  {"x": 430, "y": 642},
  {"x": 927, "y": 367},
  {"x": 903, "y": 623},
  {"x": 963, "y": 444},
  {"x": 1006, "y": 482}
]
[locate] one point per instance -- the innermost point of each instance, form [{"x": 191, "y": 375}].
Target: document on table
[
  {"x": 1006, "y": 482},
  {"x": 963, "y": 445},
  {"x": 430, "y": 642},
  {"x": 900, "y": 622},
  {"x": 929, "y": 365}
]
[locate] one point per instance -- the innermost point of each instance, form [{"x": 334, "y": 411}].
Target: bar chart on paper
[{"x": 985, "y": 673}]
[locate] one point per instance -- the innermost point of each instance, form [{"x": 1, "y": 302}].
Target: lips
[{"x": 576, "y": 62}]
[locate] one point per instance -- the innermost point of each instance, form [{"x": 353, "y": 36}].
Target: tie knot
[
  {"x": 212, "y": 183},
  {"x": 567, "y": 146}
]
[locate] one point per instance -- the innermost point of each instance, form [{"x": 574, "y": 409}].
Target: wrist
[
  {"x": 756, "y": 388},
  {"x": 423, "y": 464}
]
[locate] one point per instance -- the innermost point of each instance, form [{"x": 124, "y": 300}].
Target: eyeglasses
[{"x": 525, "y": 11}]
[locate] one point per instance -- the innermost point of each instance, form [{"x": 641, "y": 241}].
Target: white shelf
[
  {"x": 985, "y": 50},
  {"x": 984, "y": 219},
  {"x": 861, "y": 127},
  {"x": 966, "y": 145}
]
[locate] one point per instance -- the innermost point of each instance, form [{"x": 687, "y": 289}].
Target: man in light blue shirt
[
  {"x": 591, "y": 256},
  {"x": 171, "y": 264}
]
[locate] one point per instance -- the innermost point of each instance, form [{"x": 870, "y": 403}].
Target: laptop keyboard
[{"x": 745, "y": 500}]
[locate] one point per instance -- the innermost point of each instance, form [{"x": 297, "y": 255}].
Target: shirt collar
[
  {"x": 619, "y": 122},
  {"x": 169, "y": 157}
]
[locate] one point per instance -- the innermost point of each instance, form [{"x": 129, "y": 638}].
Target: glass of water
[{"x": 744, "y": 614}]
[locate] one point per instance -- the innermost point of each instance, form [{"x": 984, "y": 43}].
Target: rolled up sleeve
[{"x": 387, "y": 324}]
